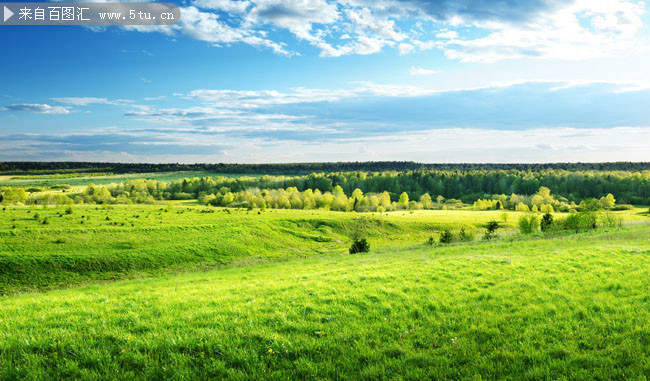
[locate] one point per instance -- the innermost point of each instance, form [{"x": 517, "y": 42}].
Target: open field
[
  {"x": 170, "y": 289},
  {"x": 81, "y": 179},
  {"x": 571, "y": 307},
  {"x": 111, "y": 242}
]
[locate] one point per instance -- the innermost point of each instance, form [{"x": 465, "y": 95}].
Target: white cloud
[
  {"x": 35, "y": 108},
  {"x": 421, "y": 71},
  {"x": 405, "y": 49},
  {"x": 84, "y": 101},
  {"x": 571, "y": 30},
  {"x": 559, "y": 33},
  {"x": 448, "y": 34}
]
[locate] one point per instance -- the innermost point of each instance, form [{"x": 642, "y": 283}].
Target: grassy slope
[
  {"x": 142, "y": 240},
  {"x": 575, "y": 307}
]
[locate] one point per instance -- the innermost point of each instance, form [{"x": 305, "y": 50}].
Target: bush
[
  {"x": 528, "y": 224},
  {"x": 581, "y": 220},
  {"x": 465, "y": 235},
  {"x": 490, "y": 230},
  {"x": 547, "y": 222},
  {"x": 360, "y": 246},
  {"x": 492, "y": 226},
  {"x": 68, "y": 210},
  {"x": 446, "y": 236}
]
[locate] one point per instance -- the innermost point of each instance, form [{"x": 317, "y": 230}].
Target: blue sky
[{"x": 326, "y": 80}]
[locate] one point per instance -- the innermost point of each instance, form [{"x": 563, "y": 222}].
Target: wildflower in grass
[{"x": 271, "y": 351}]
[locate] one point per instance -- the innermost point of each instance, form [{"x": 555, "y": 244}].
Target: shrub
[
  {"x": 547, "y": 222},
  {"x": 581, "y": 220},
  {"x": 465, "y": 235},
  {"x": 490, "y": 230},
  {"x": 360, "y": 246},
  {"x": 528, "y": 224},
  {"x": 68, "y": 210},
  {"x": 446, "y": 236}
]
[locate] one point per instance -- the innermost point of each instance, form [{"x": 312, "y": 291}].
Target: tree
[
  {"x": 403, "y": 200},
  {"x": 426, "y": 201},
  {"x": 547, "y": 222},
  {"x": 521, "y": 207},
  {"x": 490, "y": 230},
  {"x": 528, "y": 223},
  {"x": 607, "y": 202}
]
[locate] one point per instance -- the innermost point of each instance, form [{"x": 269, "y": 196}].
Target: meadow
[
  {"x": 44, "y": 248},
  {"x": 568, "y": 307},
  {"x": 172, "y": 289}
]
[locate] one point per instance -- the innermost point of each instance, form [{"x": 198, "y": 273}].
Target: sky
[{"x": 253, "y": 81}]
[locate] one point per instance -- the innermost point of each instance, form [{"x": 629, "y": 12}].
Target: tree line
[
  {"x": 37, "y": 167},
  {"x": 510, "y": 187}
]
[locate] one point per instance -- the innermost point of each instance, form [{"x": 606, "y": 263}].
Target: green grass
[
  {"x": 82, "y": 179},
  {"x": 45, "y": 248},
  {"x": 570, "y": 307}
]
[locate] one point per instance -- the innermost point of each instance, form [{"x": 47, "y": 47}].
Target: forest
[
  {"x": 41, "y": 168},
  {"x": 486, "y": 189}
]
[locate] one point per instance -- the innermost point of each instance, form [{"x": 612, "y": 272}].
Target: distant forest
[{"x": 38, "y": 168}]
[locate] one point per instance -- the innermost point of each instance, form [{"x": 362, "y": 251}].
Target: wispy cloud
[
  {"x": 35, "y": 108},
  {"x": 85, "y": 101},
  {"x": 421, "y": 71}
]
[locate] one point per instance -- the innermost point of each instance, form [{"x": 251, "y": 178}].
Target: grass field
[
  {"x": 80, "y": 179},
  {"x": 44, "y": 248},
  {"x": 184, "y": 291},
  {"x": 572, "y": 307}
]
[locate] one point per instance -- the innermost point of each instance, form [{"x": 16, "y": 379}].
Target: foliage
[
  {"x": 359, "y": 246},
  {"x": 465, "y": 235},
  {"x": 490, "y": 230},
  {"x": 547, "y": 222},
  {"x": 446, "y": 236},
  {"x": 528, "y": 223},
  {"x": 581, "y": 221}
]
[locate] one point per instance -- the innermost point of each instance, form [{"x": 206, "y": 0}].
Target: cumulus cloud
[
  {"x": 466, "y": 30},
  {"x": 35, "y": 108}
]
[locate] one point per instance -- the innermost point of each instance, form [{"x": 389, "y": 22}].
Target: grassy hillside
[
  {"x": 572, "y": 307},
  {"x": 56, "y": 247}
]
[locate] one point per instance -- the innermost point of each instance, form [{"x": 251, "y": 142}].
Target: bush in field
[
  {"x": 68, "y": 210},
  {"x": 490, "y": 230},
  {"x": 465, "y": 235},
  {"x": 528, "y": 223},
  {"x": 581, "y": 221},
  {"x": 547, "y": 222},
  {"x": 446, "y": 236},
  {"x": 359, "y": 246}
]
